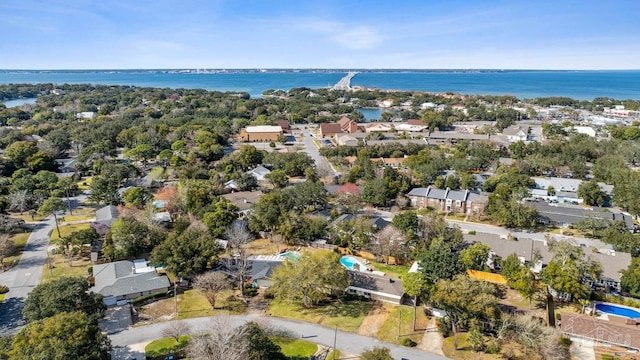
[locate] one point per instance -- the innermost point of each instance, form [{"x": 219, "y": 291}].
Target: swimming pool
[
  {"x": 618, "y": 310},
  {"x": 352, "y": 263},
  {"x": 290, "y": 255}
]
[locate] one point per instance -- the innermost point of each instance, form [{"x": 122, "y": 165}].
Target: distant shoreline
[{"x": 203, "y": 71}]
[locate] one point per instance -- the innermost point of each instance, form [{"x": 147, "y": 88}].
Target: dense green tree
[
  {"x": 511, "y": 267},
  {"x": 137, "y": 196},
  {"x": 409, "y": 223},
  {"x": 440, "y": 261},
  {"x": 66, "y": 335},
  {"x": 465, "y": 299},
  {"x": 130, "y": 237},
  {"x": 278, "y": 178},
  {"x": 261, "y": 347},
  {"x": 266, "y": 212},
  {"x": 475, "y": 256},
  {"x": 376, "y": 193},
  {"x": 630, "y": 280},
  {"x": 591, "y": 193},
  {"x": 218, "y": 216},
  {"x": 309, "y": 279},
  {"x": 190, "y": 252},
  {"x": 65, "y": 294},
  {"x": 18, "y": 152}
]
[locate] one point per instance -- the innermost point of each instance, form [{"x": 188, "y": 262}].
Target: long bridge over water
[{"x": 345, "y": 82}]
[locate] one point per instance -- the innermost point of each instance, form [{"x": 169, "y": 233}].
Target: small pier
[{"x": 345, "y": 82}]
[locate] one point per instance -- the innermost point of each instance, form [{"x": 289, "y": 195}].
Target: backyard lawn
[
  {"x": 347, "y": 315},
  {"x": 389, "y": 330},
  {"x": 397, "y": 271}
]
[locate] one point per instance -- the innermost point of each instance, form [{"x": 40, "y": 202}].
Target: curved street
[{"x": 350, "y": 342}]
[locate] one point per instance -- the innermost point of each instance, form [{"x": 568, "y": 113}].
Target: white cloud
[{"x": 361, "y": 37}]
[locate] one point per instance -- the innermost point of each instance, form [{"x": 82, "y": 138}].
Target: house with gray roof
[
  {"x": 612, "y": 261},
  {"x": 121, "y": 281},
  {"x": 459, "y": 201},
  {"x": 260, "y": 271},
  {"x": 107, "y": 215},
  {"x": 564, "y": 215},
  {"x": 377, "y": 288}
]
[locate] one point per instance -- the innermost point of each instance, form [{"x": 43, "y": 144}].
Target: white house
[{"x": 259, "y": 172}]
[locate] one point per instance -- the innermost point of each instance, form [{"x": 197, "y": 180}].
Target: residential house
[
  {"x": 107, "y": 214},
  {"x": 612, "y": 261},
  {"x": 67, "y": 166},
  {"x": 411, "y": 127},
  {"x": 162, "y": 218},
  {"x": 244, "y": 200},
  {"x": 348, "y": 125},
  {"x": 260, "y": 271},
  {"x": 349, "y": 188},
  {"x": 377, "y": 288},
  {"x": 516, "y": 133},
  {"x": 458, "y": 201},
  {"x": 261, "y": 133},
  {"x": 231, "y": 185},
  {"x": 589, "y": 330},
  {"x": 330, "y": 130},
  {"x": 259, "y": 172},
  {"x": 564, "y": 215},
  {"x": 86, "y": 115},
  {"x": 378, "y": 223},
  {"x": 127, "y": 280}
]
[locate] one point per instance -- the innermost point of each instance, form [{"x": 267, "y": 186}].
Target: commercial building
[{"x": 261, "y": 133}]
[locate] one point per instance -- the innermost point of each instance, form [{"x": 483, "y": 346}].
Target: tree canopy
[{"x": 65, "y": 294}]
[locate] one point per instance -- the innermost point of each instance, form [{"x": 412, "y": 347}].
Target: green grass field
[
  {"x": 347, "y": 315},
  {"x": 295, "y": 349},
  {"x": 62, "y": 267},
  {"x": 66, "y": 230},
  {"x": 389, "y": 330},
  {"x": 166, "y": 346}
]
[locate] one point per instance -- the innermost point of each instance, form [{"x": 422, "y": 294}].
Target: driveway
[
  {"x": 22, "y": 278},
  {"x": 349, "y": 342}
]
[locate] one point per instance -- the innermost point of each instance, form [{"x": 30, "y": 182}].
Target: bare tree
[
  {"x": 7, "y": 247},
  {"x": 221, "y": 341},
  {"x": 211, "y": 283},
  {"x": 176, "y": 329},
  {"x": 237, "y": 234},
  {"x": 20, "y": 201},
  {"x": 390, "y": 241}
]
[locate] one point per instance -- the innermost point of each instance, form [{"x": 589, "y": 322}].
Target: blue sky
[{"x": 121, "y": 34}]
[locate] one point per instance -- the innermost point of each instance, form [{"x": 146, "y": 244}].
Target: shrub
[
  {"x": 408, "y": 342},
  {"x": 493, "y": 347},
  {"x": 558, "y": 316},
  {"x": 565, "y": 341},
  {"x": 444, "y": 327},
  {"x": 4, "y": 289},
  {"x": 472, "y": 232}
]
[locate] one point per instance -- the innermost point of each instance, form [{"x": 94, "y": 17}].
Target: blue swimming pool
[
  {"x": 352, "y": 263},
  {"x": 290, "y": 255},
  {"x": 618, "y": 310}
]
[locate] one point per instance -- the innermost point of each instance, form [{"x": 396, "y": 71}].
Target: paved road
[
  {"x": 312, "y": 150},
  {"x": 22, "y": 278},
  {"x": 350, "y": 342}
]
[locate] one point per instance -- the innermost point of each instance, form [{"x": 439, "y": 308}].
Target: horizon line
[{"x": 313, "y": 68}]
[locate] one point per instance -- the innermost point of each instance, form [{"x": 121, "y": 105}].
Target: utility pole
[
  {"x": 399, "y": 322},
  {"x": 335, "y": 338}
]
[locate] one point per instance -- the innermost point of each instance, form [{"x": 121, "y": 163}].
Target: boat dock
[{"x": 345, "y": 82}]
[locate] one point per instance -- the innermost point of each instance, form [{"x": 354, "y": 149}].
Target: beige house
[{"x": 458, "y": 201}]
